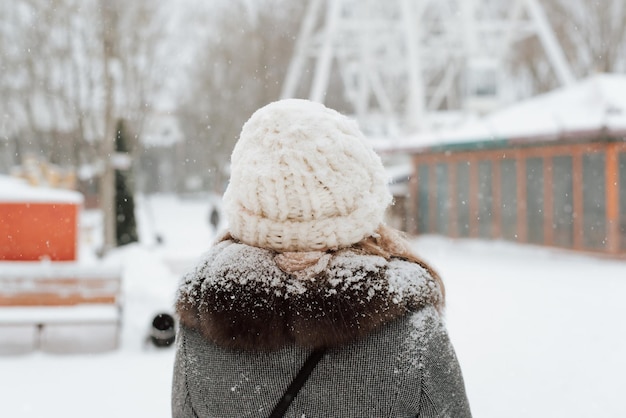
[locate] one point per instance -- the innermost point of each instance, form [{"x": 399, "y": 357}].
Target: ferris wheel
[{"x": 401, "y": 62}]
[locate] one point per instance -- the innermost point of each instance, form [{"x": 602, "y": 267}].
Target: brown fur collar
[{"x": 240, "y": 297}]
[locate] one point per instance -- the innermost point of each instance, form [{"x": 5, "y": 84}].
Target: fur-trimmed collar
[{"x": 238, "y": 297}]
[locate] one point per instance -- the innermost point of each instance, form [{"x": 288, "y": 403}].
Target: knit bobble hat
[{"x": 304, "y": 178}]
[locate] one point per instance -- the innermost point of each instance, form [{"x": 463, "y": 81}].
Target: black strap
[{"x": 299, "y": 381}]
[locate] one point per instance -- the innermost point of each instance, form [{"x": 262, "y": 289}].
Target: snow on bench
[
  {"x": 59, "y": 293},
  {"x": 59, "y": 315}
]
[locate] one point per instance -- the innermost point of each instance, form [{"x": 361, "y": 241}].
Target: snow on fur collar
[{"x": 238, "y": 297}]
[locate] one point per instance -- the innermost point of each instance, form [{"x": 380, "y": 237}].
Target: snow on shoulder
[
  {"x": 230, "y": 264},
  {"x": 13, "y": 190}
]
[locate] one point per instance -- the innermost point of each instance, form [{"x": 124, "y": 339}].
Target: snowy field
[{"x": 538, "y": 332}]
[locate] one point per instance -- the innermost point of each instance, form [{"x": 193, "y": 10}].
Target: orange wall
[{"x": 32, "y": 231}]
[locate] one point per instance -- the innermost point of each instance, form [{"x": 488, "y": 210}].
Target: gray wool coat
[{"x": 247, "y": 327}]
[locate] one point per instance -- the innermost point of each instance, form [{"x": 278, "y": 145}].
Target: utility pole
[{"x": 107, "y": 149}]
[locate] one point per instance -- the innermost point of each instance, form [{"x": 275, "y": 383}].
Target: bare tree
[
  {"x": 71, "y": 68},
  {"x": 131, "y": 33},
  {"x": 240, "y": 66},
  {"x": 591, "y": 33}
]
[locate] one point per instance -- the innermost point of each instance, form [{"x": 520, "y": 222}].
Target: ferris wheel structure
[{"x": 404, "y": 63}]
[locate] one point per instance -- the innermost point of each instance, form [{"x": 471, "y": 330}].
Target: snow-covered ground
[{"x": 538, "y": 332}]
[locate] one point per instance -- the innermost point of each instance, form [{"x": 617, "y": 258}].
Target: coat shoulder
[{"x": 239, "y": 296}]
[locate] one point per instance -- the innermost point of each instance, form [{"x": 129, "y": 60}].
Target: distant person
[
  {"x": 309, "y": 305},
  {"x": 214, "y": 217}
]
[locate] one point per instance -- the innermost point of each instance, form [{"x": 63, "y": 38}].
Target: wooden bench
[{"x": 60, "y": 293}]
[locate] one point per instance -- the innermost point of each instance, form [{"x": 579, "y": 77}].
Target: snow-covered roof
[
  {"x": 593, "y": 104},
  {"x": 18, "y": 190}
]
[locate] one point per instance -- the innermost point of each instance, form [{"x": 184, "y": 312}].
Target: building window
[
  {"x": 485, "y": 199},
  {"x": 562, "y": 190},
  {"x": 594, "y": 201},
  {"x": 422, "y": 198},
  {"x": 508, "y": 205},
  {"x": 443, "y": 200},
  {"x": 534, "y": 199},
  {"x": 463, "y": 198},
  {"x": 622, "y": 199}
]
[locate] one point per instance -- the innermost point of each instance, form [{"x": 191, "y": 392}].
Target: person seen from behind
[{"x": 309, "y": 305}]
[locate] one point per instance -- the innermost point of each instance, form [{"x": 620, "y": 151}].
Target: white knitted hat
[{"x": 304, "y": 178}]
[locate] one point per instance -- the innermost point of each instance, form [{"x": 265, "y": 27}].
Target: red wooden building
[{"x": 549, "y": 171}]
